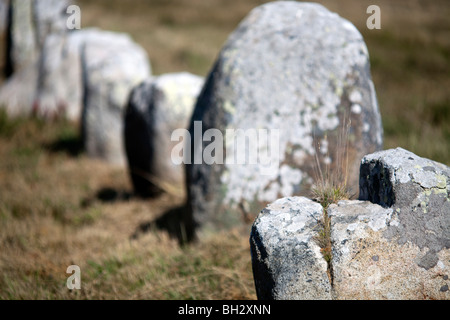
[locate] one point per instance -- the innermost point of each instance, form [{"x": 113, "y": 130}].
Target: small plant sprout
[{"x": 331, "y": 187}]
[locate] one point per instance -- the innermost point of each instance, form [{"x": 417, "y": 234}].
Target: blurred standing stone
[
  {"x": 293, "y": 67},
  {"x": 156, "y": 108},
  {"x": 112, "y": 64},
  {"x": 24, "y": 49},
  {"x": 28, "y": 25},
  {"x": 31, "y": 23},
  {"x": 59, "y": 86},
  {"x": 50, "y": 17}
]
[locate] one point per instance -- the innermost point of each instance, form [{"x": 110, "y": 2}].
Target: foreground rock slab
[
  {"x": 287, "y": 263},
  {"x": 395, "y": 246}
]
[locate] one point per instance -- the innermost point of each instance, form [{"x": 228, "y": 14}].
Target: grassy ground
[{"x": 58, "y": 207}]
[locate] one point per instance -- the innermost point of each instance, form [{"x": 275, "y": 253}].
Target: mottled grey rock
[
  {"x": 60, "y": 84},
  {"x": 397, "y": 250},
  {"x": 112, "y": 64},
  {"x": 292, "y": 67},
  {"x": 418, "y": 190},
  {"x": 24, "y": 49},
  {"x": 31, "y": 22},
  {"x": 286, "y": 260},
  {"x": 50, "y": 17},
  {"x": 157, "y": 107},
  {"x": 368, "y": 264},
  {"x": 37, "y": 33},
  {"x": 18, "y": 92}
]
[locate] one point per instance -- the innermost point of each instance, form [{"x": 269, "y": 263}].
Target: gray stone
[
  {"x": 18, "y": 92},
  {"x": 286, "y": 260},
  {"x": 37, "y": 32},
  {"x": 60, "y": 84},
  {"x": 24, "y": 49},
  {"x": 31, "y": 23},
  {"x": 402, "y": 271},
  {"x": 112, "y": 64},
  {"x": 418, "y": 190},
  {"x": 50, "y": 17},
  {"x": 157, "y": 107},
  {"x": 293, "y": 67},
  {"x": 397, "y": 250}
]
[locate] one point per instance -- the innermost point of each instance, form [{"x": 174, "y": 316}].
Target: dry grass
[{"x": 58, "y": 208}]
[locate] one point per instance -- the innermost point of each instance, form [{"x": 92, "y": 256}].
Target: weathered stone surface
[
  {"x": 397, "y": 177},
  {"x": 157, "y": 107},
  {"x": 36, "y": 32},
  {"x": 418, "y": 190},
  {"x": 296, "y": 68},
  {"x": 287, "y": 262},
  {"x": 397, "y": 250},
  {"x": 50, "y": 17},
  {"x": 60, "y": 84},
  {"x": 18, "y": 92},
  {"x": 112, "y": 64},
  {"x": 24, "y": 50},
  {"x": 369, "y": 264},
  {"x": 31, "y": 22}
]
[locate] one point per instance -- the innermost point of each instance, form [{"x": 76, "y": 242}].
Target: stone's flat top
[
  {"x": 289, "y": 217},
  {"x": 356, "y": 211},
  {"x": 409, "y": 167}
]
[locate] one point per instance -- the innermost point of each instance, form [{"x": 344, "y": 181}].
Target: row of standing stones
[
  {"x": 83, "y": 75},
  {"x": 293, "y": 67}
]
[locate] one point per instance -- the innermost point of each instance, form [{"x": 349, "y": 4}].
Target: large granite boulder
[
  {"x": 395, "y": 246},
  {"x": 157, "y": 108},
  {"x": 300, "y": 75}
]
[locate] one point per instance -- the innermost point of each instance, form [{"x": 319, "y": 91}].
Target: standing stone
[
  {"x": 286, "y": 260},
  {"x": 35, "y": 34},
  {"x": 18, "y": 92},
  {"x": 24, "y": 49},
  {"x": 158, "y": 107},
  {"x": 296, "y": 68},
  {"x": 60, "y": 84},
  {"x": 112, "y": 64},
  {"x": 31, "y": 23},
  {"x": 50, "y": 17}
]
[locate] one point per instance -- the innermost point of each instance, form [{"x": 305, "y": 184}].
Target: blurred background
[
  {"x": 409, "y": 55},
  {"x": 59, "y": 207}
]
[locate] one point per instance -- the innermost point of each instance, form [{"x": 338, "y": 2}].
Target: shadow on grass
[
  {"x": 174, "y": 221},
  {"x": 113, "y": 195},
  {"x": 71, "y": 145},
  {"x": 107, "y": 195}
]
